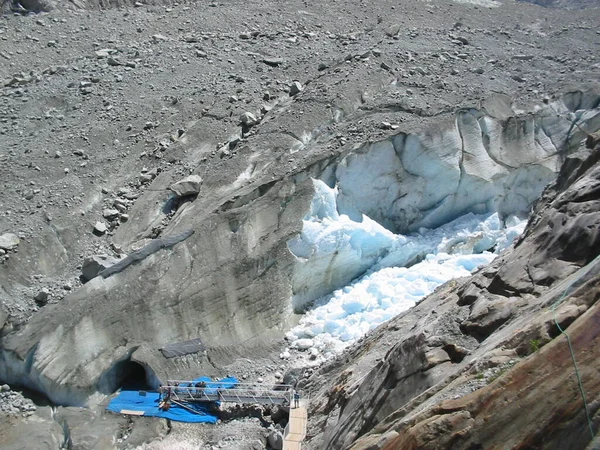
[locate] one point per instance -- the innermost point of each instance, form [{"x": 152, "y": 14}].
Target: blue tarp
[{"x": 148, "y": 404}]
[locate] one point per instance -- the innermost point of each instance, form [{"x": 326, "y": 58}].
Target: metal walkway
[
  {"x": 295, "y": 431},
  {"x": 188, "y": 391}
]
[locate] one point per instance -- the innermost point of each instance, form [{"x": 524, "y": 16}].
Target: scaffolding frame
[{"x": 179, "y": 391}]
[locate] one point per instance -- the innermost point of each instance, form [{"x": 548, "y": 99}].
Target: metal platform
[{"x": 190, "y": 392}]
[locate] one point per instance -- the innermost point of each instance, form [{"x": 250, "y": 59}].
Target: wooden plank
[
  {"x": 296, "y": 428},
  {"x": 132, "y": 413}
]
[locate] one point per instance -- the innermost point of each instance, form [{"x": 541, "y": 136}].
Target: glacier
[{"x": 396, "y": 270}]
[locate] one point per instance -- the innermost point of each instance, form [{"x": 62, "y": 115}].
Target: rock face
[
  {"x": 490, "y": 346},
  {"x": 480, "y": 165}
]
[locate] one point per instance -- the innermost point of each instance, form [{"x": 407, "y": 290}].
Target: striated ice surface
[{"x": 394, "y": 271}]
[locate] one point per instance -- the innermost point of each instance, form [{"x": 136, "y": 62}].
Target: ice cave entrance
[{"x": 130, "y": 375}]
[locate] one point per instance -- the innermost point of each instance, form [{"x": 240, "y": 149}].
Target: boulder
[
  {"x": 188, "y": 186},
  {"x": 41, "y": 298},
  {"x": 110, "y": 214},
  {"x": 275, "y": 440},
  {"x": 8, "y": 241},
  {"x": 100, "y": 228},
  {"x": 280, "y": 414},
  {"x": 248, "y": 119},
  {"x": 292, "y": 376},
  {"x": 93, "y": 265},
  {"x": 295, "y": 88},
  {"x": 273, "y": 61}
]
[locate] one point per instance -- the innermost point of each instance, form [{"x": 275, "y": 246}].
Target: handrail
[
  {"x": 185, "y": 390},
  {"x": 571, "y": 287},
  {"x": 219, "y": 383}
]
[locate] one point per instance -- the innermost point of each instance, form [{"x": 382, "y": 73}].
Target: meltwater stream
[{"x": 393, "y": 282}]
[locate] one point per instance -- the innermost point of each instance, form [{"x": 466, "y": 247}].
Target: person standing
[{"x": 296, "y": 399}]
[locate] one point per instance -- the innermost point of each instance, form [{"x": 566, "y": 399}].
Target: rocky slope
[{"x": 418, "y": 115}]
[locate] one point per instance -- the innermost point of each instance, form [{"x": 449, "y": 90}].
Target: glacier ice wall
[
  {"x": 478, "y": 164},
  {"x": 333, "y": 249}
]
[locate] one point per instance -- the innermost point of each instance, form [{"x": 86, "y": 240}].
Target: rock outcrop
[{"x": 483, "y": 363}]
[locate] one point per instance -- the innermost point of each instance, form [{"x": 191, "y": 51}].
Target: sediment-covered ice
[{"x": 386, "y": 273}]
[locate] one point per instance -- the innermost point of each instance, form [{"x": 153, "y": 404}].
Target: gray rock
[
  {"x": 100, "y": 228},
  {"x": 188, "y": 186},
  {"x": 105, "y": 52},
  {"x": 265, "y": 108},
  {"x": 120, "y": 205},
  {"x": 8, "y": 241},
  {"x": 5, "y": 388},
  {"x": 41, "y": 298},
  {"x": 275, "y": 440},
  {"x": 93, "y": 265},
  {"x": 159, "y": 38},
  {"x": 147, "y": 178},
  {"x": 110, "y": 214},
  {"x": 274, "y": 62},
  {"x": 393, "y": 30},
  {"x": 523, "y": 57},
  {"x": 113, "y": 62},
  {"x": 248, "y": 119},
  {"x": 295, "y": 88}
]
